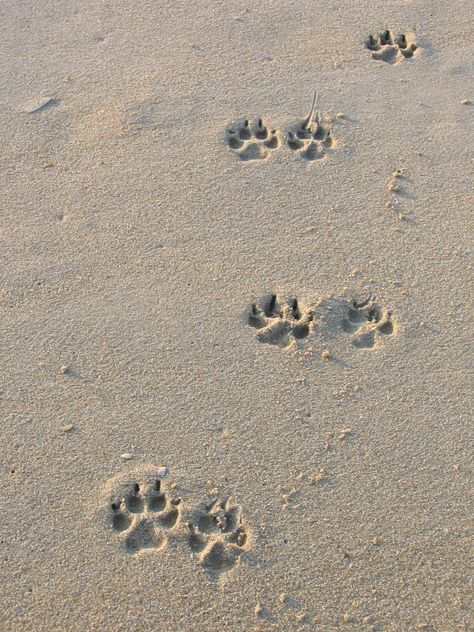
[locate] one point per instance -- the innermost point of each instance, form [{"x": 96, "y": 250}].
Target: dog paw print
[
  {"x": 279, "y": 323},
  {"x": 217, "y": 535},
  {"x": 310, "y": 141},
  {"x": 390, "y": 48},
  {"x": 367, "y": 322},
  {"x": 309, "y": 138},
  {"x": 142, "y": 513},
  {"x": 252, "y": 141}
]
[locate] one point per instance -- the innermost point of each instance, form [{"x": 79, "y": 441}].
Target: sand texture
[{"x": 236, "y": 329}]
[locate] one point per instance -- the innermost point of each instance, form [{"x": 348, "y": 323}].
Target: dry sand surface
[{"x": 235, "y": 357}]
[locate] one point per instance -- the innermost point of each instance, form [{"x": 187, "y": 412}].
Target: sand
[{"x": 184, "y": 446}]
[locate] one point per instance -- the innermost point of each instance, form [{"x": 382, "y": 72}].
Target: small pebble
[
  {"x": 392, "y": 187},
  {"x": 343, "y": 434},
  {"x": 64, "y": 369},
  {"x": 318, "y": 477},
  {"x": 126, "y": 456},
  {"x": 67, "y": 428},
  {"x": 340, "y": 115},
  {"x": 163, "y": 471},
  {"x": 258, "y": 609},
  {"x": 325, "y": 355},
  {"x": 282, "y": 598},
  {"x": 466, "y": 102}
]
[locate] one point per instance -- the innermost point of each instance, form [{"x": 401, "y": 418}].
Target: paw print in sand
[
  {"x": 217, "y": 535},
  {"x": 387, "y": 47},
  {"x": 367, "y": 322},
  {"x": 279, "y": 323},
  {"x": 309, "y": 138},
  {"x": 252, "y": 141},
  {"x": 142, "y": 513}
]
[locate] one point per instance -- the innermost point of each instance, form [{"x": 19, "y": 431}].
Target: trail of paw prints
[
  {"x": 390, "y": 48},
  {"x": 252, "y": 141},
  {"x": 141, "y": 513},
  {"x": 279, "y": 323},
  {"x": 309, "y": 138},
  {"x": 367, "y": 323},
  {"x": 217, "y": 536}
]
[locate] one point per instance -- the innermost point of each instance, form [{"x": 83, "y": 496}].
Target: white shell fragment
[
  {"x": 163, "y": 471},
  {"x": 126, "y": 456}
]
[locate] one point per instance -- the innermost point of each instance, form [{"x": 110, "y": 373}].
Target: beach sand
[{"x": 200, "y": 430}]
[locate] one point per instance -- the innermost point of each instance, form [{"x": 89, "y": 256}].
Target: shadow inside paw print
[
  {"x": 252, "y": 141},
  {"x": 366, "y": 321},
  {"x": 217, "y": 535},
  {"x": 141, "y": 513},
  {"x": 309, "y": 138},
  {"x": 279, "y": 323},
  {"x": 386, "y": 47}
]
